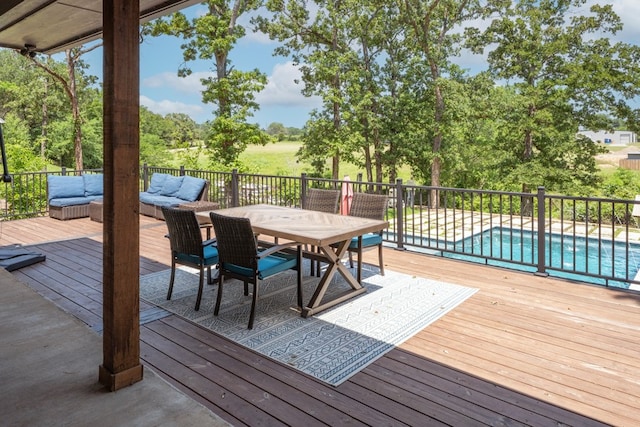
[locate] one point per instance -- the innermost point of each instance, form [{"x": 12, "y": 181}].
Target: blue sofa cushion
[
  {"x": 157, "y": 200},
  {"x": 72, "y": 201},
  {"x": 171, "y": 185},
  {"x": 191, "y": 188},
  {"x": 157, "y": 181},
  {"x": 93, "y": 185},
  {"x": 60, "y": 187}
]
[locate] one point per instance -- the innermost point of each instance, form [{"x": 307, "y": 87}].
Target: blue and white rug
[{"x": 332, "y": 345}]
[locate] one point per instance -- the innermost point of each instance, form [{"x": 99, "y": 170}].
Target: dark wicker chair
[
  {"x": 323, "y": 201},
  {"x": 242, "y": 259},
  {"x": 372, "y": 206},
  {"x": 187, "y": 246}
]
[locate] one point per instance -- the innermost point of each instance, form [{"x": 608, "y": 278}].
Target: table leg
[{"x": 334, "y": 257}]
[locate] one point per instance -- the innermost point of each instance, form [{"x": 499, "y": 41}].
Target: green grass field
[{"x": 280, "y": 159}]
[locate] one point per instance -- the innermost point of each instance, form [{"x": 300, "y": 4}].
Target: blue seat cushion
[
  {"x": 267, "y": 266},
  {"x": 369, "y": 239},
  {"x": 72, "y": 201},
  {"x": 61, "y": 187},
  {"x": 157, "y": 200},
  {"x": 191, "y": 188},
  {"x": 210, "y": 256},
  {"x": 93, "y": 185}
]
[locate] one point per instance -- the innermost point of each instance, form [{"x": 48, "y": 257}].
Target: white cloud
[
  {"x": 628, "y": 11},
  {"x": 188, "y": 85},
  {"x": 282, "y": 89},
  {"x": 166, "y": 106}
]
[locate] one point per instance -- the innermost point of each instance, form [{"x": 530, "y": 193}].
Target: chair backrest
[
  {"x": 204, "y": 194},
  {"x": 323, "y": 200},
  {"x": 236, "y": 240},
  {"x": 372, "y": 206},
  {"x": 185, "y": 235}
]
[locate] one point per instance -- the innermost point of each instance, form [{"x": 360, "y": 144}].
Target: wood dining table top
[{"x": 301, "y": 225}]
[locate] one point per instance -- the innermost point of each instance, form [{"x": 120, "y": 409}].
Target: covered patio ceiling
[{"x": 51, "y": 26}]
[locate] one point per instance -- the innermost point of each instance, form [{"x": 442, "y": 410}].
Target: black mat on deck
[{"x": 15, "y": 256}]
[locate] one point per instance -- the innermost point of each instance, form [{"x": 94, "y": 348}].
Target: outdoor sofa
[
  {"x": 172, "y": 191},
  {"x": 69, "y": 196}
]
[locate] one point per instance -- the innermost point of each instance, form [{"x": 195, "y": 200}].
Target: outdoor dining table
[{"x": 330, "y": 233}]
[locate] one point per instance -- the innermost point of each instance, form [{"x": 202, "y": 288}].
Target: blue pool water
[{"x": 580, "y": 258}]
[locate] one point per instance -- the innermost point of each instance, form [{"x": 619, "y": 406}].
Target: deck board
[{"x": 524, "y": 350}]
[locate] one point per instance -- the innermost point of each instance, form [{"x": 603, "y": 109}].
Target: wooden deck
[{"x": 524, "y": 350}]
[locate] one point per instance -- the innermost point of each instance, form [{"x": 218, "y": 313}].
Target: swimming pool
[{"x": 567, "y": 256}]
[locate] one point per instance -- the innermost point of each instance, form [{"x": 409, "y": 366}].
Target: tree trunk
[
  {"x": 436, "y": 164},
  {"x": 45, "y": 121},
  {"x": 75, "y": 111}
]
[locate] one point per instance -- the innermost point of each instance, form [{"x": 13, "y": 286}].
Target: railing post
[
  {"x": 235, "y": 189},
  {"x": 541, "y": 234},
  {"x": 399, "y": 202},
  {"x": 63, "y": 171},
  {"x": 182, "y": 173},
  {"x": 145, "y": 177},
  {"x": 303, "y": 189}
]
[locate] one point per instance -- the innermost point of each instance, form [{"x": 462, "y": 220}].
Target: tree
[
  {"x": 433, "y": 28},
  {"x": 211, "y": 36},
  {"x": 565, "y": 76},
  {"x": 183, "y": 130},
  {"x": 69, "y": 83},
  {"x": 317, "y": 42},
  {"x": 277, "y": 130}
]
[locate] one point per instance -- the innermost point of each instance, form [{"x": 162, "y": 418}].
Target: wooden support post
[{"x": 121, "y": 251}]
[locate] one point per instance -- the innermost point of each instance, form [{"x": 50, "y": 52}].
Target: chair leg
[
  {"x": 219, "y": 297},
  {"x": 359, "y": 274},
  {"x": 173, "y": 277},
  {"x": 254, "y": 300},
  {"x": 200, "y": 286},
  {"x": 300, "y": 276},
  {"x": 380, "y": 260}
]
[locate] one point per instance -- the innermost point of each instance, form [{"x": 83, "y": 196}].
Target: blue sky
[{"x": 163, "y": 92}]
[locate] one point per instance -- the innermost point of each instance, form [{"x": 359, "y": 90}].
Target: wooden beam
[{"x": 121, "y": 252}]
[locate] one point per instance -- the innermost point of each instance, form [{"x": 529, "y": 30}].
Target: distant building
[{"x": 618, "y": 137}]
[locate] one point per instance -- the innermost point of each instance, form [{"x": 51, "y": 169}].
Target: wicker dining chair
[
  {"x": 242, "y": 259},
  {"x": 322, "y": 201},
  {"x": 187, "y": 246},
  {"x": 372, "y": 206}
]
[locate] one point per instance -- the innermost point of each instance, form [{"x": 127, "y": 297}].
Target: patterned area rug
[{"x": 332, "y": 345}]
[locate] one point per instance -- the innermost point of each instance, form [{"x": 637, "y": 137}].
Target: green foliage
[
  {"x": 566, "y": 77},
  {"x": 229, "y": 138},
  {"x": 153, "y": 151},
  {"x": 623, "y": 184},
  {"x": 392, "y": 97}
]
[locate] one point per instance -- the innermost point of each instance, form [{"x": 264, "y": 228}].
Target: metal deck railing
[{"x": 594, "y": 240}]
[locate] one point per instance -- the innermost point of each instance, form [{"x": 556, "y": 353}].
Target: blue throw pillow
[
  {"x": 191, "y": 188},
  {"x": 157, "y": 181},
  {"x": 59, "y": 187},
  {"x": 93, "y": 185},
  {"x": 171, "y": 186}
]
